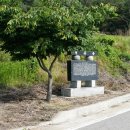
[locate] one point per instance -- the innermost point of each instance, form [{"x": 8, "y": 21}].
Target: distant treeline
[{"x": 119, "y": 25}]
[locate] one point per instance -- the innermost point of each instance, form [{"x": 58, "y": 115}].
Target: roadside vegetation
[
  {"x": 113, "y": 56},
  {"x": 114, "y": 53}
]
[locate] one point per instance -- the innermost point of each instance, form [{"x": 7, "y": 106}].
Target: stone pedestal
[
  {"x": 75, "y": 84},
  {"x": 91, "y": 83},
  {"x": 82, "y": 92}
]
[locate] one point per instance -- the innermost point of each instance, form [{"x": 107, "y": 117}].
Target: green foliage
[
  {"x": 106, "y": 41},
  {"x": 4, "y": 56},
  {"x": 62, "y": 58},
  {"x": 117, "y": 25},
  {"x": 125, "y": 57},
  {"x": 111, "y": 56},
  {"x": 50, "y": 29},
  {"x": 109, "y": 59},
  {"x": 18, "y": 73},
  {"x": 122, "y": 43},
  {"x": 10, "y": 2}
]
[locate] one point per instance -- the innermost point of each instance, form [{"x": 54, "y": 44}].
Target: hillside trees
[
  {"x": 117, "y": 25},
  {"x": 120, "y": 24},
  {"x": 48, "y": 28}
]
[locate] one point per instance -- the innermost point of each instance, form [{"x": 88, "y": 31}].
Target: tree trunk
[
  {"x": 49, "y": 89},
  {"x": 48, "y": 71}
]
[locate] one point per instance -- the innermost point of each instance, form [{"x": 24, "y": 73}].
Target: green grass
[
  {"x": 18, "y": 73},
  {"x": 113, "y": 53},
  {"x": 27, "y": 73},
  {"x": 121, "y": 42}
]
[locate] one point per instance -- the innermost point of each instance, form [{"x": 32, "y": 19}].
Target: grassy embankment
[{"x": 113, "y": 56}]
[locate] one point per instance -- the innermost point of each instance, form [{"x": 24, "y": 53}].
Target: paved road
[{"x": 120, "y": 122}]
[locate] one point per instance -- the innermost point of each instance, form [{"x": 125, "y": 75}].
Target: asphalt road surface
[{"x": 119, "y": 122}]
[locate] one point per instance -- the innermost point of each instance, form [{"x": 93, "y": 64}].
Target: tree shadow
[{"x": 19, "y": 94}]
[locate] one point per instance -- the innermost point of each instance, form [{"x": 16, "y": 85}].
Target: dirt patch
[{"x": 27, "y": 106}]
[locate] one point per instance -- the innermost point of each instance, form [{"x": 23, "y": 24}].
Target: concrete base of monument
[{"x": 82, "y": 92}]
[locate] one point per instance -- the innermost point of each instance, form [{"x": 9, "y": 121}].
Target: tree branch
[
  {"x": 51, "y": 66},
  {"x": 43, "y": 66},
  {"x": 39, "y": 62}
]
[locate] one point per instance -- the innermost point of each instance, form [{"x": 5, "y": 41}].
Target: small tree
[{"x": 49, "y": 30}]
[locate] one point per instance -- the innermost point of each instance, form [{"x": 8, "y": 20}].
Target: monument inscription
[{"x": 82, "y": 70}]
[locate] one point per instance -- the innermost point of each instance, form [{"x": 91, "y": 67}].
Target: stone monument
[{"x": 79, "y": 71}]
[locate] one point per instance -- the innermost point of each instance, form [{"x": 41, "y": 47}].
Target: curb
[
  {"x": 69, "y": 115},
  {"x": 87, "y": 110}
]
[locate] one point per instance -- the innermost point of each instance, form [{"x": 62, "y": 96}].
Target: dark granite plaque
[{"x": 82, "y": 70}]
